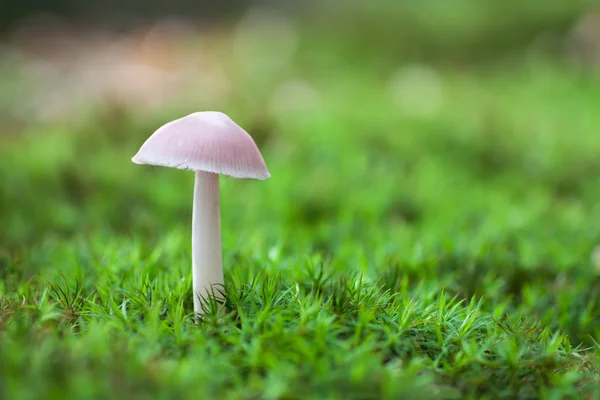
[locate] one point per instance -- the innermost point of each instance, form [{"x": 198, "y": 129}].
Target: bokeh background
[
  {"x": 358, "y": 89},
  {"x": 434, "y": 146}
]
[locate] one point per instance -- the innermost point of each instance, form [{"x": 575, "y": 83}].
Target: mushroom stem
[{"x": 207, "y": 260}]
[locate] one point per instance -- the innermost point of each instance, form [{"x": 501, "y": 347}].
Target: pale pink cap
[{"x": 204, "y": 141}]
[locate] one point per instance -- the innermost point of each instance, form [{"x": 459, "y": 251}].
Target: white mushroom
[{"x": 208, "y": 143}]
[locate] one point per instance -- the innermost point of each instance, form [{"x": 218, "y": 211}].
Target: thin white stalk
[{"x": 207, "y": 259}]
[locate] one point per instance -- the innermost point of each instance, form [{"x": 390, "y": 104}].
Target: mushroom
[{"x": 210, "y": 144}]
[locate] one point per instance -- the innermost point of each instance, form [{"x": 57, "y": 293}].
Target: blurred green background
[
  {"x": 378, "y": 100},
  {"x": 437, "y": 148}
]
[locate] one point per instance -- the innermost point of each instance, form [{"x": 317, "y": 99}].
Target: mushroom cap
[{"x": 204, "y": 141}]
